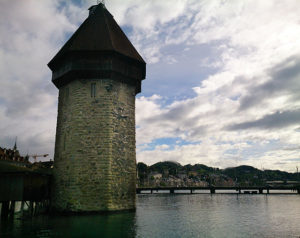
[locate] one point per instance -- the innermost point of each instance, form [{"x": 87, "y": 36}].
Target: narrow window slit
[{"x": 93, "y": 90}]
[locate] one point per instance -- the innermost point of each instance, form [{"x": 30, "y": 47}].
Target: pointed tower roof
[{"x": 98, "y": 33}]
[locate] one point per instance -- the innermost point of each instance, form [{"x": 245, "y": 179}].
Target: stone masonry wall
[{"x": 94, "y": 164}]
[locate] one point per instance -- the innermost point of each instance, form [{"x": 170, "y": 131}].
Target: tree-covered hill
[{"x": 243, "y": 174}]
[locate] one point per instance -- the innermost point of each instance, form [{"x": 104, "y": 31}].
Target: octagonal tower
[{"x": 98, "y": 73}]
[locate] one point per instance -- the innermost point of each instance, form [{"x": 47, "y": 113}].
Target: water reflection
[
  {"x": 113, "y": 225},
  {"x": 177, "y": 215},
  {"x": 218, "y": 215}
]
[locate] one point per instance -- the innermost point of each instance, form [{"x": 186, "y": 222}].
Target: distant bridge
[{"x": 212, "y": 190}]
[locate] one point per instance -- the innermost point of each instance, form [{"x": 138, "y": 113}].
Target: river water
[{"x": 177, "y": 215}]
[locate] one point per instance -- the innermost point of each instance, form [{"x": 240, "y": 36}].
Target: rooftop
[{"x": 99, "y": 32}]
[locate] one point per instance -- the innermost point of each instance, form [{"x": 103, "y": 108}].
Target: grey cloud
[
  {"x": 292, "y": 148},
  {"x": 28, "y": 43},
  {"x": 284, "y": 80},
  {"x": 280, "y": 163},
  {"x": 177, "y": 114},
  {"x": 7, "y": 141},
  {"x": 198, "y": 131},
  {"x": 296, "y": 159},
  {"x": 272, "y": 121},
  {"x": 28, "y": 97}
]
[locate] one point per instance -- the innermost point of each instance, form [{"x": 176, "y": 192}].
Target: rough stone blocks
[{"x": 95, "y": 161}]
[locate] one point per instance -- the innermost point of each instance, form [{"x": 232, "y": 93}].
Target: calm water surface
[{"x": 178, "y": 215}]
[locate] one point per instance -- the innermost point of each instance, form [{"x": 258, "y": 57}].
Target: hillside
[{"x": 243, "y": 175}]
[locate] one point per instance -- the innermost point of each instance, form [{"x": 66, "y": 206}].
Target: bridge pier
[
  {"x": 171, "y": 190},
  {"x": 22, "y": 207},
  {"x": 298, "y": 190},
  {"x": 30, "y": 208},
  {"x": 268, "y": 191},
  {"x": 191, "y": 191},
  {"x": 212, "y": 190},
  {"x": 261, "y": 191},
  {"x": 4, "y": 210},
  {"x": 12, "y": 208}
]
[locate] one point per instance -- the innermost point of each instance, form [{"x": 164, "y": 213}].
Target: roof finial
[{"x": 101, "y": 1}]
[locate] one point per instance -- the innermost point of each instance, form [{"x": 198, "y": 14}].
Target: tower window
[
  {"x": 93, "y": 90},
  {"x": 67, "y": 93}
]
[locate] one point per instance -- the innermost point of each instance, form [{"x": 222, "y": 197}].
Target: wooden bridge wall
[{"x": 24, "y": 187}]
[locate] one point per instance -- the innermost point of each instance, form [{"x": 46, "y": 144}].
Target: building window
[{"x": 93, "y": 90}]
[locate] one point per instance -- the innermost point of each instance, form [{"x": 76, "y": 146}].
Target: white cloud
[
  {"x": 254, "y": 42},
  {"x": 31, "y": 33},
  {"x": 253, "y": 54}
]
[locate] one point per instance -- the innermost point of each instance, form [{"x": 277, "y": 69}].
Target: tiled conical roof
[{"x": 98, "y": 33}]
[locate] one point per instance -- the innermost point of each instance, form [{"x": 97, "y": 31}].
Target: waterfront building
[
  {"x": 155, "y": 175},
  {"x": 98, "y": 73},
  {"x": 12, "y": 155},
  {"x": 192, "y": 173}
]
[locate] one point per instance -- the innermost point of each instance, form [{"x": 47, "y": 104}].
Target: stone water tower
[{"x": 98, "y": 73}]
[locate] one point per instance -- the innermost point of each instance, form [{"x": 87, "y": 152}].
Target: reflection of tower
[{"x": 98, "y": 73}]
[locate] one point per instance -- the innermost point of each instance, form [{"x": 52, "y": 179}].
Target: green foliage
[
  {"x": 142, "y": 170},
  {"x": 172, "y": 167}
]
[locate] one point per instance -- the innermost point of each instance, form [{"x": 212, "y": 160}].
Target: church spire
[{"x": 15, "y": 146}]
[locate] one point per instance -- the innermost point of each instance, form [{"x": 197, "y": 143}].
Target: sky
[{"x": 222, "y": 85}]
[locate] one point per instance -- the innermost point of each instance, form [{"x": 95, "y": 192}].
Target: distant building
[
  {"x": 12, "y": 155},
  {"x": 193, "y": 173},
  {"x": 182, "y": 175},
  {"x": 155, "y": 175},
  {"x": 166, "y": 173}
]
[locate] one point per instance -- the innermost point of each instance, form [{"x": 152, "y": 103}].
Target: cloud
[
  {"x": 253, "y": 90},
  {"x": 32, "y": 32},
  {"x": 283, "y": 81},
  {"x": 224, "y": 76},
  {"x": 272, "y": 121}
]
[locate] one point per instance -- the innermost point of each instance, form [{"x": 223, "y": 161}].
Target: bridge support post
[
  {"x": 171, "y": 190},
  {"x": 30, "y": 208},
  {"x": 138, "y": 191},
  {"x": 261, "y": 191},
  {"x": 37, "y": 208},
  {"x": 191, "y": 191},
  {"x": 268, "y": 191},
  {"x": 22, "y": 207},
  {"x": 12, "y": 208},
  {"x": 4, "y": 210},
  {"x": 212, "y": 190},
  {"x": 151, "y": 191},
  {"x": 298, "y": 190}
]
